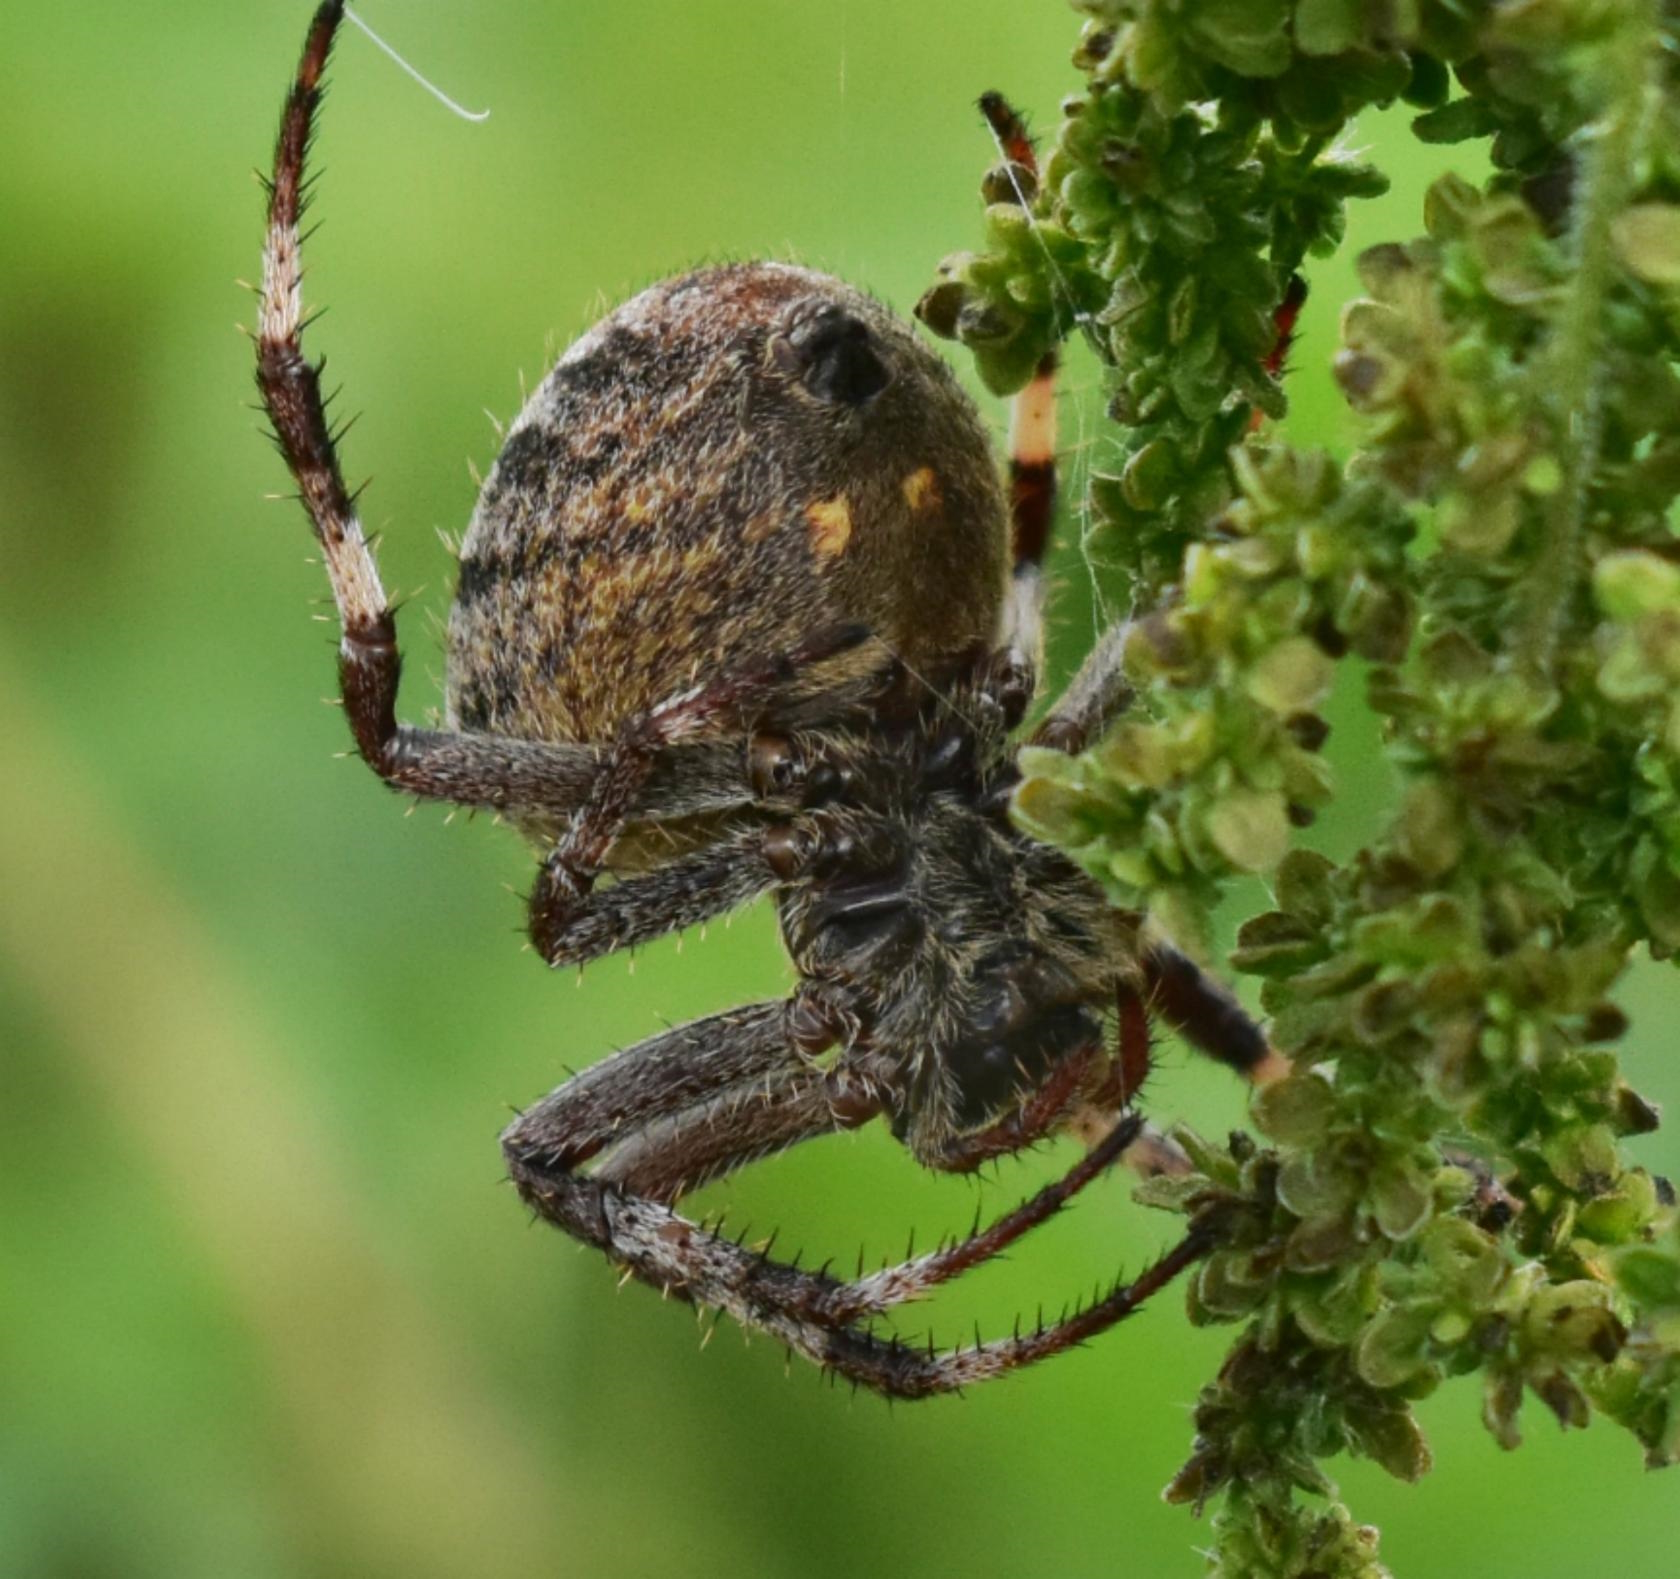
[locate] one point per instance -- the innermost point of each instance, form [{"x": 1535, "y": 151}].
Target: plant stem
[{"x": 1575, "y": 371}]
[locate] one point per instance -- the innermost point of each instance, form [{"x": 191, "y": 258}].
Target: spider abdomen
[{"x": 730, "y": 461}]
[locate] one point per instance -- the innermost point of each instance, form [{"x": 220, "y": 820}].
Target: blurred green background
[{"x": 266, "y": 1307}]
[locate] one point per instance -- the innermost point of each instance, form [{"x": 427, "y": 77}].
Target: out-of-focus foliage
[
  {"x": 266, "y": 1308},
  {"x": 1441, "y": 1186}
]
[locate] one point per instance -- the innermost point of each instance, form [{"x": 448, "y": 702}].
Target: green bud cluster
[
  {"x": 1300, "y": 569},
  {"x": 1440, "y": 1187}
]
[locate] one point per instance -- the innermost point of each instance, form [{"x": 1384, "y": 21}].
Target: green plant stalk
[{"x": 1573, "y": 378}]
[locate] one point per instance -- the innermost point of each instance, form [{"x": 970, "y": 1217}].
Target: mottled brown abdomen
[{"x": 729, "y": 462}]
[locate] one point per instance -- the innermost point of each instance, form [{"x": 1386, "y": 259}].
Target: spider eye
[{"x": 833, "y": 355}]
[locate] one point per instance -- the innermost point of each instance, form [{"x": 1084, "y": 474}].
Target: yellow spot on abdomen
[
  {"x": 831, "y": 526},
  {"x": 921, "y": 491}
]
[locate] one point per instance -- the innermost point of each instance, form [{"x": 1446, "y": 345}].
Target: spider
[{"x": 744, "y": 608}]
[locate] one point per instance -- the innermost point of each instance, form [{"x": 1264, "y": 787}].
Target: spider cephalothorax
[{"x": 743, "y": 610}]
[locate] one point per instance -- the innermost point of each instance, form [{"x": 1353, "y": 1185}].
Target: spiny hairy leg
[
  {"x": 879, "y": 1292},
  {"x": 1099, "y": 692},
  {"x": 1097, "y": 695},
  {"x": 291, "y": 390},
  {"x": 894, "y": 1368},
  {"x": 474, "y": 770},
  {"x": 677, "y": 1071},
  {"x": 818, "y": 1316},
  {"x": 726, "y": 703},
  {"x": 696, "y": 1103},
  {"x": 573, "y": 928}
]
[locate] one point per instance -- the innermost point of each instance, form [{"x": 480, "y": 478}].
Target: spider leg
[
  {"x": 889, "y": 1366},
  {"x": 1207, "y": 1014},
  {"x": 1022, "y": 1125},
  {"x": 470, "y": 769},
  {"x": 1032, "y": 504},
  {"x": 724, "y": 875},
  {"x": 659, "y": 1247},
  {"x": 1097, "y": 695},
  {"x": 686, "y": 1067},
  {"x": 689, "y": 1105},
  {"x": 564, "y": 884},
  {"x": 669, "y": 1159},
  {"x": 664, "y": 1161},
  {"x": 698, "y": 1102},
  {"x": 652, "y": 1169},
  {"x": 1032, "y": 417},
  {"x": 1099, "y": 692},
  {"x": 879, "y": 1292}
]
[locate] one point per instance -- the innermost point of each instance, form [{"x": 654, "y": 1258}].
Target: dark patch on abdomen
[{"x": 477, "y": 576}]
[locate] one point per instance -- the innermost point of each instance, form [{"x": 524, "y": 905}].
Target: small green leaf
[
  {"x": 1226, "y": 1288},
  {"x": 1139, "y": 755},
  {"x": 1327, "y": 27},
  {"x": 1296, "y": 1111},
  {"x": 1401, "y": 1201},
  {"x": 1249, "y": 36},
  {"x": 1647, "y": 238},
  {"x": 1171, "y": 1192},
  {"x": 1394, "y": 1346},
  {"x": 1148, "y": 478},
  {"x": 1430, "y": 832},
  {"x": 1631, "y": 583},
  {"x": 1502, "y": 1396},
  {"x": 1319, "y": 1246},
  {"x": 1304, "y": 886},
  {"x": 1312, "y": 1185},
  {"x": 1250, "y": 828},
  {"x": 1467, "y": 1261},
  {"x": 1574, "y": 1322},
  {"x": 1456, "y": 122},
  {"x": 1650, "y": 1276},
  {"x": 1294, "y": 677},
  {"x": 1276, "y": 944},
  {"x": 1584, "y": 1158}
]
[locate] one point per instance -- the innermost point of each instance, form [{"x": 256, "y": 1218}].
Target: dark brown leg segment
[
  {"x": 698, "y": 1102},
  {"x": 1032, "y": 467},
  {"x": 732, "y": 699},
  {"x": 1207, "y": 1015},
  {"x": 679, "y": 1070},
  {"x": 569, "y": 929}
]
